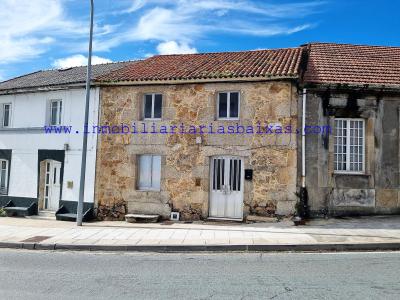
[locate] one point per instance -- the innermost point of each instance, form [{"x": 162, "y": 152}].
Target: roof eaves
[
  {"x": 367, "y": 86},
  {"x": 197, "y": 80},
  {"x": 37, "y": 89}
]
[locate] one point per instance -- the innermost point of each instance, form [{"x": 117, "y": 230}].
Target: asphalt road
[{"x": 81, "y": 275}]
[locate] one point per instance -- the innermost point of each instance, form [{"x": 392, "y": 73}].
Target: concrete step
[{"x": 44, "y": 215}]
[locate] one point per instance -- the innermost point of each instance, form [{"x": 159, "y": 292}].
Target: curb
[{"x": 206, "y": 248}]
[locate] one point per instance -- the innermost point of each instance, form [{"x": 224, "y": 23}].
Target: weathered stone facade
[
  {"x": 185, "y": 164},
  {"x": 375, "y": 191}
]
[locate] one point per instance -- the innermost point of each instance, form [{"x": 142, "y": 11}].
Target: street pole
[{"x": 79, "y": 215}]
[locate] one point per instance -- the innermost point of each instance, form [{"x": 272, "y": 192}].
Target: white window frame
[
  {"x": 6, "y": 179},
  {"x": 152, "y": 186},
  {"x": 3, "y": 113},
  {"x": 59, "y": 112},
  {"x": 348, "y": 145},
  {"x": 228, "y": 105},
  {"x": 153, "y": 99}
]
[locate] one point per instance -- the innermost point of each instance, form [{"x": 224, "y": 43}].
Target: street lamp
[{"x": 79, "y": 215}]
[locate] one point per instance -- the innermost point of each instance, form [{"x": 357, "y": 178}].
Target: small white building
[{"x": 40, "y": 170}]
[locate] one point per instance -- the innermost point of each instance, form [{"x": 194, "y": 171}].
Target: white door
[
  {"x": 52, "y": 185},
  {"x": 226, "y": 195},
  {"x": 3, "y": 176}
]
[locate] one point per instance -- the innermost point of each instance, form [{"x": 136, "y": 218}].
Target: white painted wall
[{"x": 26, "y": 136}]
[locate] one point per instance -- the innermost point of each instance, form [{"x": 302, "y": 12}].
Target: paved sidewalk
[{"x": 367, "y": 233}]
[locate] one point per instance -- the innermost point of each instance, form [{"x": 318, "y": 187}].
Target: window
[
  {"x": 3, "y": 176},
  {"x": 228, "y": 105},
  {"x": 349, "y": 146},
  {"x": 149, "y": 172},
  {"x": 152, "y": 106},
  {"x": 55, "y": 112},
  {"x": 6, "y": 115}
]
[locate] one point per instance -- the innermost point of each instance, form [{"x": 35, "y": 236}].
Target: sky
[{"x": 46, "y": 34}]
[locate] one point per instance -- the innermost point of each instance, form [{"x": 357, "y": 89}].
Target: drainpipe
[
  {"x": 303, "y": 207},
  {"x": 303, "y": 141}
]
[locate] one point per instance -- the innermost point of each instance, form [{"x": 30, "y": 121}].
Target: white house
[{"x": 40, "y": 170}]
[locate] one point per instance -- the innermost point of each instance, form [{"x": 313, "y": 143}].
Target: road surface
[{"x": 81, "y": 275}]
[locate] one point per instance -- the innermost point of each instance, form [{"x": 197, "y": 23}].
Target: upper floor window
[
  {"x": 228, "y": 105},
  {"x": 152, "y": 106},
  {"x": 6, "y": 120},
  {"x": 349, "y": 146},
  {"x": 55, "y": 112},
  {"x": 3, "y": 176},
  {"x": 149, "y": 172}
]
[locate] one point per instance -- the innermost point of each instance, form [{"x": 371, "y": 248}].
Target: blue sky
[{"x": 44, "y": 34}]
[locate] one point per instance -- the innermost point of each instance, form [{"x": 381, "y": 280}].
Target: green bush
[{"x": 2, "y": 212}]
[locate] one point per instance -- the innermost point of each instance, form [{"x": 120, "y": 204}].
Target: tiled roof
[
  {"x": 58, "y": 77},
  {"x": 353, "y": 64},
  {"x": 245, "y": 64}
]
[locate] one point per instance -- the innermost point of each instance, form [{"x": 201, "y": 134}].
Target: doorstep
[{"x": 43, "y": 215}]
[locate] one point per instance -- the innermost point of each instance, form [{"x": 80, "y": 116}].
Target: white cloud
[
  {"x": 267, "y": 8},
  {"x": 165, "y": 24},
  {"x": 221, "y": 12},
  {"x": 26, "y": 31},
  {"x": 136, "y": 5},
  {"x": 187, "y": 21},
  {"x": 78, "y": 60},
  {"x": 267, "y": 31},
  {"x": 30, "y": 28},
  {"x": 173, "y": 47},
  {"x": 17, "y": 49},
  {"x": 18, "y": 21}
]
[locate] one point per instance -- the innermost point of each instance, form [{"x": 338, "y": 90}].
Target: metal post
[{"x": 79, "y": 215}]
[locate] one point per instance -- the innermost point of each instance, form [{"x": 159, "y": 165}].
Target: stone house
[
  {"x": 201, "y": 155},
  {"x": 356, "y": 91}
]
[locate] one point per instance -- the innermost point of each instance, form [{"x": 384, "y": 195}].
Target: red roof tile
[
  {"x": 259, "y": 63},
  {"x": 353, "y": 64}
]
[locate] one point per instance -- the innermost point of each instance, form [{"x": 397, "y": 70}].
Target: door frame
[
  {"x": 51, "y": 185},
  {"x": 6, "y": 155},
  {"x": 211, "y": 175},
  {"x": 57, "y": 155}
]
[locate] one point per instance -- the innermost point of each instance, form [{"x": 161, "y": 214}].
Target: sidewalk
[{"x": 365, "y": 233}]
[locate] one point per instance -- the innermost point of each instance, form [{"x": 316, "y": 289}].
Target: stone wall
[
  {"x": 376, "y": 191},
  {"x": 185, "y": 171}
]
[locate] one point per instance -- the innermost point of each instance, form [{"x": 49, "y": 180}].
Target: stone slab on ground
[
  {"x": 261, "y": 219},
  {"x": 137, "y": 218}
]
